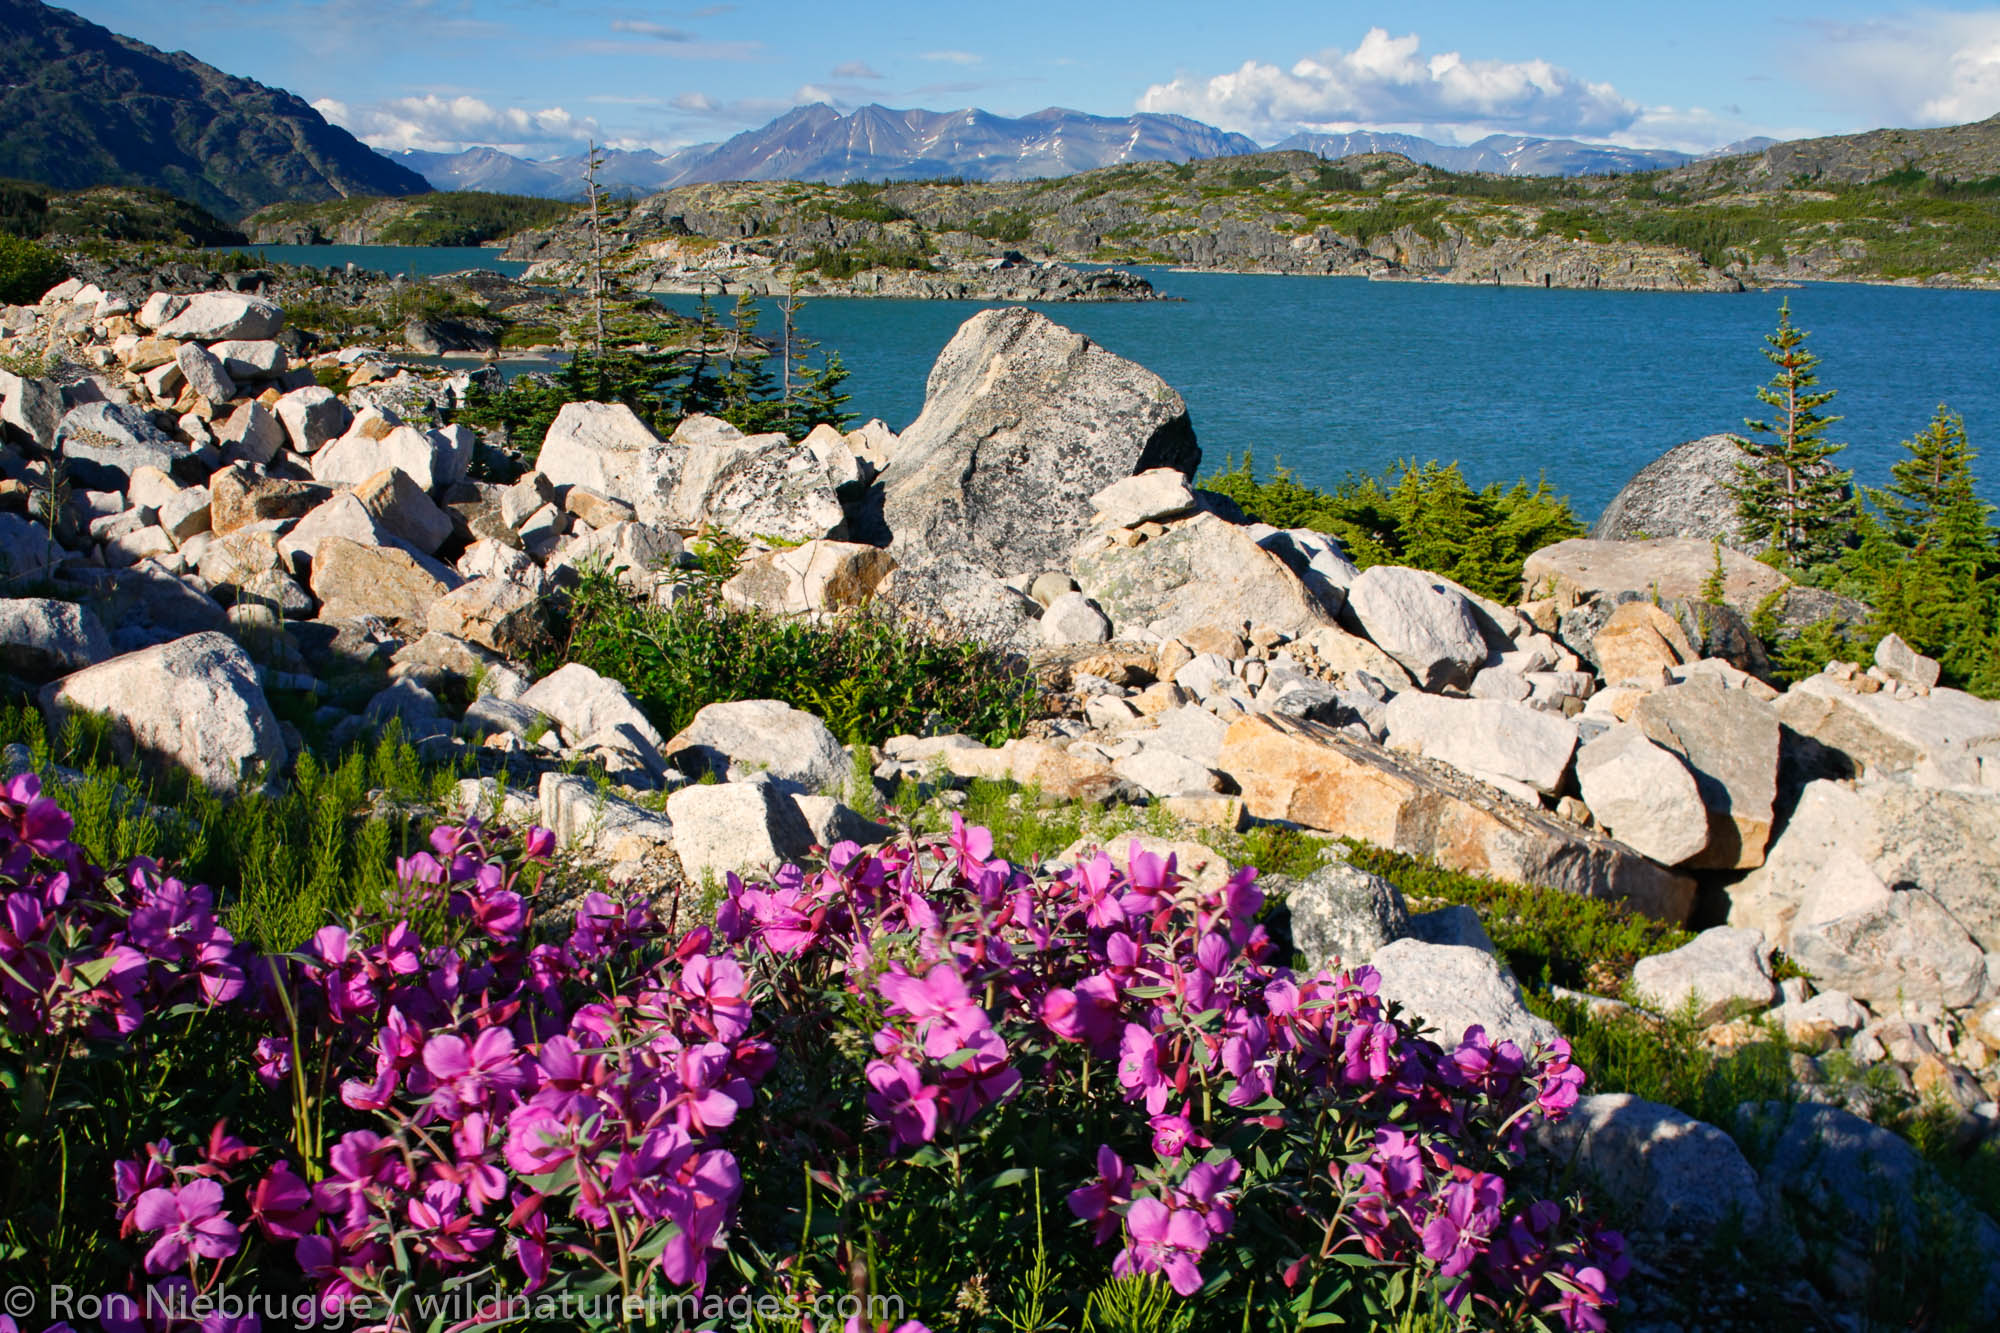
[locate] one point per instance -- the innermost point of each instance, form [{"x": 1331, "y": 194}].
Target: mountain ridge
[{"x": 85, "y": 107}]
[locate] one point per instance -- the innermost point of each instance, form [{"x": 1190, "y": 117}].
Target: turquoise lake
[{"x": 1336, "y": 375}]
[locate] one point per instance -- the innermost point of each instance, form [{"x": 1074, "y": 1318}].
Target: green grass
[
  {"x": 282, "y": 862},
  {"x": 865, "y": 674}
]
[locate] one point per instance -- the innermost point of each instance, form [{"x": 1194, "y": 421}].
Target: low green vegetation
[
  {"x": 107, "y": 214},
  {"x": 868, "y": 676},
  {"x": 452, "y": 217},
  {"x": 665, "y": 368},
  {"x": 1420, "y": 514},
  {"x": 316, "y": 846},
  {"x": 27, "y": 270},
  {"x": 838, "y": 263}
]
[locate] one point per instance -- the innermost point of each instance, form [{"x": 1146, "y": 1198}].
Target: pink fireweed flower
[
  {"x": 899, "y": 1098},
  {"x": 1164, "y": 1240},
  {"x": 539, "y": 844},
  {"x": 947, "y": 1018},
  {"x": 282, "y": 1204},
  {"x": 1100, "y": 1201},
  {"x": 1174, "y": 1134},
  {"x": 190, "y": 1222},
  {"x": 1139, "y": 1068},
  {"x": 467, "y": 1074},
  {"x": 715, "y": 989},
  {"x": 1585, "y": 1294},
  {"x": 1560, "y": 1080}
]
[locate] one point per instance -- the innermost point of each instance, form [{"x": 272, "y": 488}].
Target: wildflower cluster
[
  {"x": 449, "y": 1094},
  {"x": 984, "y": 978}
]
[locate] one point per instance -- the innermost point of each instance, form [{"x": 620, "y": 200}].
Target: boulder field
[{"x": 233, "y": 527}]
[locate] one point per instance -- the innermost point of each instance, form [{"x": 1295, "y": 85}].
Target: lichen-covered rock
[
  {"x": 1340, "y": 916},
  {"x": 736, "y": 827},
  {"x": 1311, "y": 774},
  {"x": 606, "y": 448},
  {"x": 1720, "y": 970},
  {"x": 1643, "y": 795},
  {"x": 105, "y": 443},
  {"x": 1421, "y": 620},
  {"x": 353, "y": 581},
  {"x": 735, "y": 739},
  {"x": 1023, "y": 422},
  {"x": 1663, "y": 1166},
  {"x": 1729, "y": 740},
  {"x": 41, "y": 637},
  {"x": 1484, "y": 738},
  {"x": 194, "y": 703},
  {"x": 1673, "y": 568},
  {"x": 1203, "y": 571},
  {"x": 1447, "y": 989},
  {"x": 1685, "y": 492},
  {"x": 813, "y": 576}
]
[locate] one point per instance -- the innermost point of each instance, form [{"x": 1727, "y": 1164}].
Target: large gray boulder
[
  {"x": 1421, "y": 620},
  {"x": 1203, "y": 571},
  {"x": 25, "y": 547},
  {"x": 1894, "y": 833},
  {"x": 41, "y": 637},
  {"x": 312, "y": 416},
  {"x": 1448, "y": 988},
  {"x": 952, "y": 592},
  {"x": 1944, "y": 732},
  {"x": 604, "y": 447},
  {"x": 600, "y": 825},
  {"x": 755, "y": 487},
  {"x": 1670, "y": 568},
  {"x": 1660, "y": 1165},
  {"x": 105, "y": 443},
  {"x": 194, "y": 703},
  {"x": 733, "y": 740},
  {"x": 204, "y": 373},
  {"x": 1720, "y": 970},
  {"x": 31, "y": 406},
  {"x": 1904, "y": 948},
  {"x": 212, "y": 316},
  {"x": 1682, "y": 493},
  {"x": 1023, "y": 422},
  {"x": 1643, "y": 795},
  {"x": 736, "y": 827},
  {"x": 586, "y": 705},
  {"x": 1729, "y": 740},
  {"x": 1341, "y": 915},
  {"x": 1485, "y": 738},
  {"x": 1862, "y": 1187}
]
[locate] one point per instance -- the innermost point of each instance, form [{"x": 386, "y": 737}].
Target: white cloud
[
  {"x": 449, "y": 124},
  {"x": 659, "y": 32},
  {"x": 953, "y": 57},
  {"x": 1924, "y": 67},
  {"x": 1386, "y": 80},
  {"x": 854, "y": 69}
]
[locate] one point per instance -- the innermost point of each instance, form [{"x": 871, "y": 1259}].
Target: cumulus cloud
[
  {"x": 1387, "y": 80},
  {"x": 449, "y": 124},
  {"x": 854, "y": 69},
  {"x": 1926, "y": 67}
]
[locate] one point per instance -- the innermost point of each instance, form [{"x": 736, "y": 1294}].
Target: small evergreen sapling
[{"x": 1787, "y": 488}]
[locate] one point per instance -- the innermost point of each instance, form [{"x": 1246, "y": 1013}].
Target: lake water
[{"x": 1337, "y": 375}]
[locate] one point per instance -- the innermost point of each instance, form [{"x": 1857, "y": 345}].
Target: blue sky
[{"x": 538, "y": 76}]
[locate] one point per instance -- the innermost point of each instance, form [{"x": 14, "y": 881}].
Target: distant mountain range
[
  {"x": 819, "y": 143},
  {"x": 81, "y": 106},
  {"x": 1511, "y": 154}
]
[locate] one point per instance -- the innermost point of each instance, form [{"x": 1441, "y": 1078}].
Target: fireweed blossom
[{"x": 533, "y": 1099}]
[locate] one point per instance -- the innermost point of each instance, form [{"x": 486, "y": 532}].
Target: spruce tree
[
  {"x": 1786, "y": 487},
  {"x": 1931, "y": 502},
  {"x": 1930, "y": 560}
]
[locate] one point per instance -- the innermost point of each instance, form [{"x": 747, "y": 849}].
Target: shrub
[
  {"x": 868, "y": 1078},
  {"x": 1423, "y": 515},
  {"x": 27, "y": 270},
  {"x": 866, "y": 674}
]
